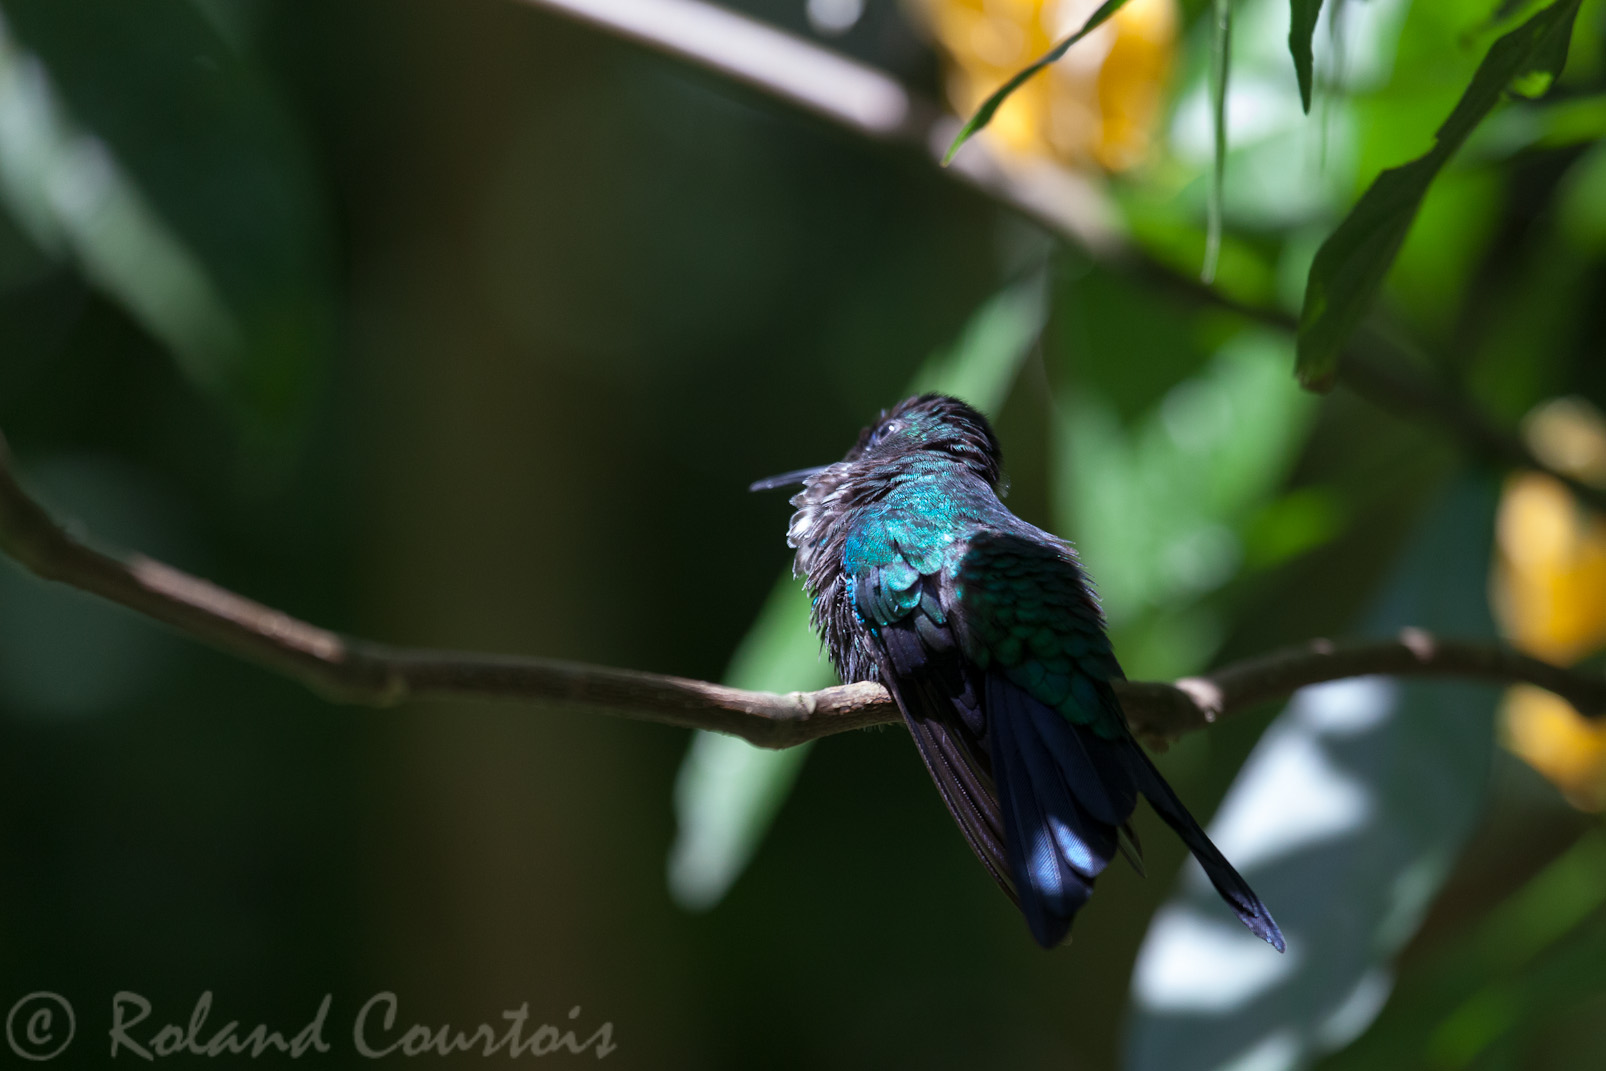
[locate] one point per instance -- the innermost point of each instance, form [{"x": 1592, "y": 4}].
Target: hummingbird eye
[{"x": 881, "y": 433}]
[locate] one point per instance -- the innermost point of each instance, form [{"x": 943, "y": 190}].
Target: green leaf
[
  {"x": 1350, "y": 266},
  {"x": 1220, "y": 65},
  {"x": 1160, "y": 506},
  {"x": 1543, "y": 927},
  {"x": 1160, "y": 503},
  {"x": 1301, "y": 28},
  {"x": 728, "y": 792},
  {"x": 137, "y": 146},
  {"x": 984, "y": 114},
  {"x": 1346, "y": 818}
]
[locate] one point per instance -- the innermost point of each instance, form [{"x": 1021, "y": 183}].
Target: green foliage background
[{"x": 461, "y": 325}]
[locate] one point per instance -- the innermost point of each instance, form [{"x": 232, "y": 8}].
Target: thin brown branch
[
  {"x": 874, "y": 105},
  {"x": 1413, "y": 653},
  {"x": 357, "y": 671}
]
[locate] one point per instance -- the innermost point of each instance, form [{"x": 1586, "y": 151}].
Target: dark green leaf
[
  {"x": 1480, "y": 989},
  {"x": 1301, "y": 28},
  {"x": 198, "y": 209},
  {"x": 1350, "y": 267},
  {"x": 984, "y": 114}
]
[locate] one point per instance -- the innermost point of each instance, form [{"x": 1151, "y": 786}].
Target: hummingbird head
[{"x": 931, "y": 424}]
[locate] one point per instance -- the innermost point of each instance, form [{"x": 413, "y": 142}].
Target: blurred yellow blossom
[
  {"x": 1550, "y": 593},
  {"x": 1555, "y": 740},
  {"x": 1100, "y": 103}
]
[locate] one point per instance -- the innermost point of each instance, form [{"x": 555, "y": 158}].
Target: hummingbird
[{"x": 988, "y": 634}]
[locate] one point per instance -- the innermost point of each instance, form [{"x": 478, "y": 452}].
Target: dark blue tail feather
[
  {"x": 1228, "y": 882},
  {"x": 1056, "y": 847},
  {"x": 1050, "y": 891},
  {"x": 1064, "y": 792},
  {"x": 1089, "y": 763}
]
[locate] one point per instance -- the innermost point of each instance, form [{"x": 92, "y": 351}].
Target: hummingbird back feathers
[{"x": 988, "y": 635}]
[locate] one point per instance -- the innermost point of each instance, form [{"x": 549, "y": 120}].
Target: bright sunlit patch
[
  {"x": 1191, "y": 963},
  {"x": 1346, "y": 707},
  {"x": 1295, "y": 795},
  {"x": 1258, "y": 107}
]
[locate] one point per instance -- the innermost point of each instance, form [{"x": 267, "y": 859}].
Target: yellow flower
[
  {"x": 1554, "y": 739},
  {"x": 1100, "y": 103},
  {"x": 1550, "y": 594}
]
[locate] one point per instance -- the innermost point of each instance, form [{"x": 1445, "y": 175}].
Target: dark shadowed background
[{"x": 465, "y": 325}]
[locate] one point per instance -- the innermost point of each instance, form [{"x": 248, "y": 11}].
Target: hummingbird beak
[{"x": 786, "y": 479}]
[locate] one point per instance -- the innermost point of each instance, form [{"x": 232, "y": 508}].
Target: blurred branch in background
[
  {"x": 357, "y": 671},
  {"x": 849, "y": 94},
  {"x": 1409, "y": 396},
  {"x": 875, "y": 105}
]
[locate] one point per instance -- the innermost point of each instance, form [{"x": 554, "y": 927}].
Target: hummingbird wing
[
  {"x": 918, "y": 658},
  {"x": 1066, "y": 767}
]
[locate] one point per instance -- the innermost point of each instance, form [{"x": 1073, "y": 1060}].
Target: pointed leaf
[
  {"x": 1350, "y": 266},
  {"x": 137, "y": 145},
  {"x": 984, "y": 114},
  {"x": 1301, "y": 29}
]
